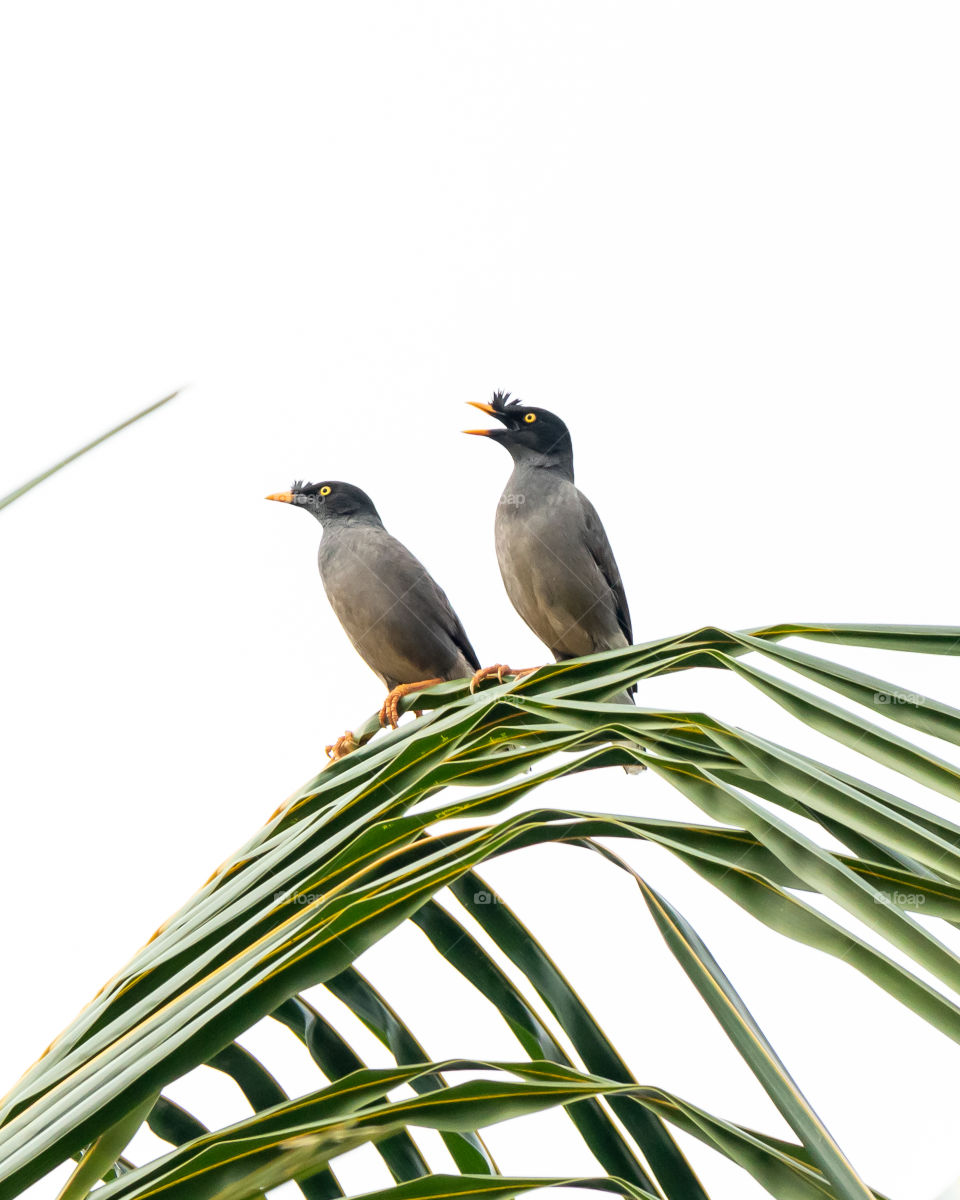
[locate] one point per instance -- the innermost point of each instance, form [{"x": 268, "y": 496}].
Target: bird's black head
[
  {"x": 533, "y": 436},
  {"x": 330, "y": 501}
]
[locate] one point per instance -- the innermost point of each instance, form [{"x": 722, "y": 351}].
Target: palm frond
[
  {"x": 367, "y": 845},
  {"x": 97, "y": 441}
]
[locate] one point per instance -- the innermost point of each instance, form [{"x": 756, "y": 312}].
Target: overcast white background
[{"x": 720, "y": 240}]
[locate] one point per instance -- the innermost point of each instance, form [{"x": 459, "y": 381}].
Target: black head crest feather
[{"x": 501, "y": 400}]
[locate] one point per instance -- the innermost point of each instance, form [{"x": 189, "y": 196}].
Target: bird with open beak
[
  {"x": 554, "y": 554},
  {"x": 397, "y": 617}
]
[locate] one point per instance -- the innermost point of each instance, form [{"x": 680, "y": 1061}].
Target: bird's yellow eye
[
  {"x": 325, "y": 491},
  {"x": 530, "y": 418}
]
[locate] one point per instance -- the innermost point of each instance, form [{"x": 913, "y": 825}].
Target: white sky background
[{"x": 720, "y": 240}]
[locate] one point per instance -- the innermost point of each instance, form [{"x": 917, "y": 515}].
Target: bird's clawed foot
[
  {"x": 389, "y": 711},
  {"x": 499, "y": 669},
  {"x": 342, "y": 746}
]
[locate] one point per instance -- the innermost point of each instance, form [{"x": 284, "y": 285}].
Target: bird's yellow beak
[
  {"x": 286, "y": 497},
  {"x": 486, "y": 408}
]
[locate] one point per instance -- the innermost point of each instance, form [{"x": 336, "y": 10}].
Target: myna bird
[
  {"x": 397, "y": 617},
  {"x": 554, "y": 555}
]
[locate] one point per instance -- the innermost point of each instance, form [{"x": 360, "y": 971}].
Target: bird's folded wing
[{"x": 599, "y": 546}]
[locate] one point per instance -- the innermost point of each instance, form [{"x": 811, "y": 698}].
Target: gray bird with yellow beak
[
  {"x": 397, "y": 617},
  {"x": 554, "y": 554}
]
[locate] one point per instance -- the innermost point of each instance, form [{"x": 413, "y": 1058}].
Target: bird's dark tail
[{"x": 626, "y": 697}]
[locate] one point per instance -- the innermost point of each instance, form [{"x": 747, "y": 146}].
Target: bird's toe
[
  {"x": 487, "y": 673},
  {"x": 499, "y": 670},
  {"x": 388, "y": 711},
  {"x": 345, "y": 744}
]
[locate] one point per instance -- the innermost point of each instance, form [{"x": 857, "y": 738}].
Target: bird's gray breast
[
  {"x": 389, "y": 606},
  {"x": 548, "y": 568}
]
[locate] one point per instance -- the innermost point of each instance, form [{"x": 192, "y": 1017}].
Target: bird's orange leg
[
  {"x": 499, "y": 669},
  {"x": 342, "y": 746},
  {"x": 389, "y": 711}
]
